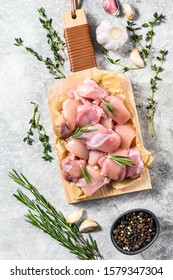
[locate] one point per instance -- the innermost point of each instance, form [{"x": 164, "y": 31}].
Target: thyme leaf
[{"x": 44, "y": 216}]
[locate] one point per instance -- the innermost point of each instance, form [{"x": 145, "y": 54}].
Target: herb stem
[
  {"x": 86, "y": 175},
  {"x": 45, "y": 217},
  {"x": 151, "y": 107},
  {"x": 56, "y": 44},
  {"x": 43, "y": 137},
  {"x": 77, "y": 134},
  {"x": 117, "y": 61},
  {"x": 122, "y": 161}
]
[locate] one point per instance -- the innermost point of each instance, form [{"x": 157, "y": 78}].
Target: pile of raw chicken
[{"x": 111, "y": 133}]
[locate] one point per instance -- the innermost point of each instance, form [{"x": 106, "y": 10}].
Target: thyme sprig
[
  {"x": 43, "y": 137},
  {"x": 137, "y": 38},
  {"x": 117, "y": 61},
  {"x": 86, "y": 175},
  {"x": 122, "y": 161},
  {"x": 108, "y": 106},
  {"x": 28, "y": 138},
  {"x": 145, "y": 53},
  {"x": 152, "y": 104},
  {"x": 44, "y": 216},
  {"x": 77, "y": 134},
  {"x": 56, "y": 44}
]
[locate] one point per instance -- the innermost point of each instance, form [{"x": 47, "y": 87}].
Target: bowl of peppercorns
[{"x": 134, "y": 231}]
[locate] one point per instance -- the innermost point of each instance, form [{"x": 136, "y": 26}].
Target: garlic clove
[
  {"x": 88, "y": 225},
  {"x": 111, "y": 34},
  {"x": 74, "y": 217},
  {"x": 129, "y": 10},
  {"x": 111, "y": 7},
  {"x": 136, "y": 58}
]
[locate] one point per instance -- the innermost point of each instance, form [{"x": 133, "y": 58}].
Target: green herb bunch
[
  {"x": 144, "y": 43},
  {"x": 44, "y": 216},
  {"x": 56, "y": 44},
  {"x": 43, "y": 137}
]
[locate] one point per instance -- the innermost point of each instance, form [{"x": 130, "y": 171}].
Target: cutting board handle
[{"x": 78, "y": 41}]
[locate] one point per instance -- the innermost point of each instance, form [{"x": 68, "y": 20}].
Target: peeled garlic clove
[
  {"x": 88, "y": 225},
  {"x": 136, "y": 58},
  {"x": 129, "y": 10},
  {"x": 111, "y": 7},
  {"x": 74, "y": 217},
  {"x": 111, "y": 34}
]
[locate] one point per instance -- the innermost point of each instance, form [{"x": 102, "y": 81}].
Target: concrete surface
[{"x": 24, "y": 79}]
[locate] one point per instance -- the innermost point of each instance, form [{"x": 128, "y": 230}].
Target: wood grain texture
[
  {"x": 78, "y": 41},
  {"x": 80, "y": 19}
]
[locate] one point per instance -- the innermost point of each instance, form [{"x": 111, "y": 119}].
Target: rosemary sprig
[
  {"x": 44, "y": 216},
  {"x": 117, "y": 61},
  {"x": 108, "y": 106},
  {"x": 56, "y": 44},
  {"x": 86, "y": 175},
  {"x": 122, "y": 161},
  {"x": 43, "y": 137},
  {"x": 80, "y": 130},
  {"x": 152, "y": 104}
]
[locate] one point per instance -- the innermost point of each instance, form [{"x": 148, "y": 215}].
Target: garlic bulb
[
  {"x": 111, "y": 7},
  {"x": 136, "y": 58},
  {"x": 129, "y": 10},
  {"x": 111, "y": 34}
]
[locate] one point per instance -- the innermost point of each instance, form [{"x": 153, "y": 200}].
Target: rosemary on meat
[
  {"x": 43, "y": 137},
  {"x": 122, "y": 161},
  {"x": 44, "y": 216},
  {"x": 108, "y": 106},
  {"x": 77, "y": 134},
  {"x": 56, "y": 44},
  {"x": 86, "y": 175}
]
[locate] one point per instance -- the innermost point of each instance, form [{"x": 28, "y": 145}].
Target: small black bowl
[{"x": 155, "y": 236}]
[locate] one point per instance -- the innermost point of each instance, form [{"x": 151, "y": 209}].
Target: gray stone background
[{"x": 24, "y": 79}]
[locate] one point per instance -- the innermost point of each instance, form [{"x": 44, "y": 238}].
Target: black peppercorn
[{"x": 134, "y": 230}]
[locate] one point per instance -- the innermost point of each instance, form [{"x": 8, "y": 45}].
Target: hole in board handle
[{"x": 73, "y": 15}]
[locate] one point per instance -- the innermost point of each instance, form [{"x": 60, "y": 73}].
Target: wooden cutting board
[{"x": 83, "y": 66}]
